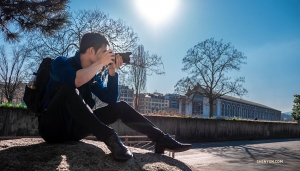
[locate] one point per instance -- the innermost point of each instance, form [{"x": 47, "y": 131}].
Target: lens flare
[{"x": 157, "y": 11}]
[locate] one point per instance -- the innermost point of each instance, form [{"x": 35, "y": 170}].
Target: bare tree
[
  {"x": 122, "y": 38},
  {"x": 30, "y": 15},
  {"x": 139, "y": 75},
  {"x": 124, "y": 80},
  {"x": 60, "y": 44},
  {"x": 143, "y": 64},
  {"x": 13, "y": 72},
  {"x": 207, "y": 64},
  {"x": 66, "y": 41}
]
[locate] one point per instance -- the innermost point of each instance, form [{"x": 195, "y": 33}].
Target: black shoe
[
  {"x": 119, "y": 151},
  {"x": 167, "y": 142}
]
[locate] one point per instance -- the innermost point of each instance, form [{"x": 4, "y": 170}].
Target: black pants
[{"x": 69, "y": 118}]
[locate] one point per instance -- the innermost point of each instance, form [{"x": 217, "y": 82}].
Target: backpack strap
[
  {"x": 74, "y": 63},
  {"x": 53, "y": 77}
]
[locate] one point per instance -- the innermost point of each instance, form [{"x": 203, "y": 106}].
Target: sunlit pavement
[{"x": 282, "y": 154}]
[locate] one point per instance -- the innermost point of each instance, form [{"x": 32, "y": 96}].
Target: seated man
[{"x": 68, "y": 116}]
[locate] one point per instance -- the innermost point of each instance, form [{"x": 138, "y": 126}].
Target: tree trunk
[
  {"x": 136, "y": 100},
  {"x": 211, "y": 108},
  {"x": 10, "y": 99}
]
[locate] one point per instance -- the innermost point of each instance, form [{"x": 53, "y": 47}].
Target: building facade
[
  {"x": 18, "y": 94},
  {"x": 173, "y": 103},
  {"x": 152, "y": 103},
  {"x": 126, "y": 94},
  {"x": 227, "y": 107},
  {"x": 173, "y": 100}
]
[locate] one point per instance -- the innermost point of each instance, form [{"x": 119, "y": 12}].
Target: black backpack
[{"x": 34, "y": 98}]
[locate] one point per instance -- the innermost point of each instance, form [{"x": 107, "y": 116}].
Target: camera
[{"x": 125, "y": 57}]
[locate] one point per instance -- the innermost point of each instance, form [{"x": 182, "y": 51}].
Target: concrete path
[{"x": 248, "y": 155}]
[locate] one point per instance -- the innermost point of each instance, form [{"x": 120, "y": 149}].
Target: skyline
[{"x": 267, "y": 32}]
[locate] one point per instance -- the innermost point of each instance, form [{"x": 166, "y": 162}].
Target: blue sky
[{"x": 267, "y": 32}]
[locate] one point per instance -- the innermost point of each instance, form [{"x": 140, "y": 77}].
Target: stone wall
[
  {"x": 21, "y": 122},
  {"x": 193, "y": 129},
  {"x": 18, "y": 122}
]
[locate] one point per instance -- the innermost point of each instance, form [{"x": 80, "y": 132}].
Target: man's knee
[
  {"x": 69, "y": 89},
  {"x": 123, "y": 103}
]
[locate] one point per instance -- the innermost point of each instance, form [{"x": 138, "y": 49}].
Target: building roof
[
  {"x": 125, "y": 87},
  {"x": 198, "y": 86},
  {"x": 226, "y": 97},
  {"x": 153, "y": 95}
]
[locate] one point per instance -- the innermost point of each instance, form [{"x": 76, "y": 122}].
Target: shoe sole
[{"x": 119, "y": 160}]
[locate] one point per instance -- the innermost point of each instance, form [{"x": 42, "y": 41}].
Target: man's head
[{"x": 93, "y": 40}]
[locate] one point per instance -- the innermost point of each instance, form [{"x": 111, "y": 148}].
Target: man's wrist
[
  {"x": 100, "y": 65},
  {"x": 112, "y": 72}
]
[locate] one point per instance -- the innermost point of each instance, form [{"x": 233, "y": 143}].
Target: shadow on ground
[
  {"x": 82, "y": 155},
  {"x": 241, "y": 142},
  {"x": 245, "y": 154}
]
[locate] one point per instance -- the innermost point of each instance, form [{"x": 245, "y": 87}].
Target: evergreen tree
[
  {"x": 22, "y": 16},
  {"x": 296, "y": 108}
]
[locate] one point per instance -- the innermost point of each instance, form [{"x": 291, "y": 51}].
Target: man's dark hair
[{"x": 93, "y": 39}]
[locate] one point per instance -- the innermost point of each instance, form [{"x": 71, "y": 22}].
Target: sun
[{"x": 156, "y": 12}]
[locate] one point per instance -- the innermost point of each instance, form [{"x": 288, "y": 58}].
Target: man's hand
[
  {"x": 115, "y": 65},
  {"x": 106, "y": 57}
]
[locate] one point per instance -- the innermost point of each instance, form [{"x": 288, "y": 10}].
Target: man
[{"x": 68, "y": 115}]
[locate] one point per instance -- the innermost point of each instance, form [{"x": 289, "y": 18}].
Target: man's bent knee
[
  {"x": 69, "y": 89},
  {"x": 123, "y": 103}
]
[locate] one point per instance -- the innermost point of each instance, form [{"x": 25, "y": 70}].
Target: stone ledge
[{"x": 35, "y": 154}]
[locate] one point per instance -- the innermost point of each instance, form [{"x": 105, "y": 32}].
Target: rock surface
[{"x": 36, "y": 154}]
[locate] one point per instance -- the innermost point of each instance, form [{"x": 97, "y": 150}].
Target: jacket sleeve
[{"x": 107, "y": 94}]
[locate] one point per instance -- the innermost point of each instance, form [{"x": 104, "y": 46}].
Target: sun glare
[{"x": 157, "y": 11}]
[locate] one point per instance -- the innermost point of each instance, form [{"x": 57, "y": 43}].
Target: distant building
[
  {"x": 173, "y": 100},
  {"x": 173, "y": 103},
  {"x": 18, "y": 97},
  {"x": 126, "y": 94},
  {"x": 152, "y": 103},
  {"x": 227, "y": 107},
  {"x": 171, "y": 110}
]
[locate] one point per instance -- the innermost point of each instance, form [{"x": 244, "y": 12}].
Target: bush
[{"x": 11, "y": 105}]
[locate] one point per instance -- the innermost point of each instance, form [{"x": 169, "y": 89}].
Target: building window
[
  {"x": 233, "y": 110},
  {"x": 223, "y": 106},
  {"x": 196, "y": 108},
  {"x": 242, "y": 112}
]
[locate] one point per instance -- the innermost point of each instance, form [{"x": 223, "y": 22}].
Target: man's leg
[
  {"x": 130, "y": 117},
  {"x": 136, "y": 121},
  {"x": 67, "y": 109},
  {"x": 68, "y": 117}
]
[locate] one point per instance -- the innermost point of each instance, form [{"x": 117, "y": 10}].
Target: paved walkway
[{"x": 260, "y": 155}]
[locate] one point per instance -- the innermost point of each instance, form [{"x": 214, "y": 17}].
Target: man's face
[{"x": 99, "y": 52}]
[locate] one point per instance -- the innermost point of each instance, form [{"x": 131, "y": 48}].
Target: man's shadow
[{"x": 75, "y": 156}]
